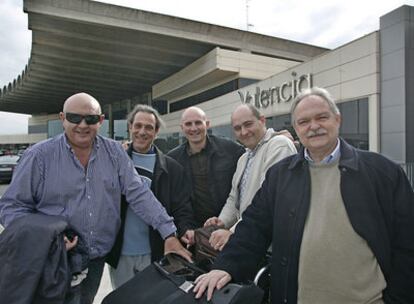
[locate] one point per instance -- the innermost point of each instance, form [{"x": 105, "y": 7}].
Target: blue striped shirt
[{"x": 50, "y": 179}]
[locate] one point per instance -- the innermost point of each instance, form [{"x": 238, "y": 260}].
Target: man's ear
[
  {"x": 338, "y": 118},
  {"x": 262, "y": 118},
  {"x": 208, "y": 123},
  {"x": 62, "y": 116}
]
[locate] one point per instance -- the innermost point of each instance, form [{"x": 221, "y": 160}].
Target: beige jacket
[{"x": 274, "y": 148}]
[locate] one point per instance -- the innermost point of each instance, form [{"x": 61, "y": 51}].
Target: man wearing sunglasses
[{"x": 81, "y": 175}]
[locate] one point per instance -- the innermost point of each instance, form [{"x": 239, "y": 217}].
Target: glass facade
[
  {"x": 54, "y": 127},
  {"x": 211, "y": 93},
  {"x": 354, "y": 127},
  {"x": 120, "y": 129}
]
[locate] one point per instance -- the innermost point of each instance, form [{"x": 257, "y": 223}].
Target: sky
[{"x": 325, "y": 23}]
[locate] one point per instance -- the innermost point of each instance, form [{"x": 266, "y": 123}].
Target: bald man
[
  {"x": 81, "y": 175},
  {"x": 264, "y": 148},
  {"x": 209, "y": 162}
]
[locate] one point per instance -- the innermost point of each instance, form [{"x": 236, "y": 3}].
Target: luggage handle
[{"x": 180, "y": 282}]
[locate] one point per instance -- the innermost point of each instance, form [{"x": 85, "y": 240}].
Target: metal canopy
[{"x": 116, "y": 53}]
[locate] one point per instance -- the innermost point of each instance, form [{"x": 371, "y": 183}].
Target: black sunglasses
[{"x": 77, "y": 118}]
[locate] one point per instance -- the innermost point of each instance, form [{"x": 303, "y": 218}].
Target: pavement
[{"x": 105, "y": 286}]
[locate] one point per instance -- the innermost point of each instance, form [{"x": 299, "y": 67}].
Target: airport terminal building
[{"x": 124, "y": 56}]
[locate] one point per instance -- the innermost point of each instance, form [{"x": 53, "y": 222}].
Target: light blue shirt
[
  {"x": 336, "y": 153},
  {"x": 136, "y": 233},
  {"x": 50, "y": 179}
]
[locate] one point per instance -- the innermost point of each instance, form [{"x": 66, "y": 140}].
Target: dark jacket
[
  {"x": 34, "y": 264},
  {"x": 223, "y": 155},
  {"x": 172, "y": 190},
  {"x": 379, "y": 201}
]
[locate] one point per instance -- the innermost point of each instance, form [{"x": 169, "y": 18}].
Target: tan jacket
[{"x": 274, "y": 148}]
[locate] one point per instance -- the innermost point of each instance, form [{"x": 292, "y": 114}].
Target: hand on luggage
[{"x": 215, "y": 279}]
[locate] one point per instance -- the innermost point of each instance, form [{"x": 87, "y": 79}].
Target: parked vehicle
[{"x": 7, "y": 164}]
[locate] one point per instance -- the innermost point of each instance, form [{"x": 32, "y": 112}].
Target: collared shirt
[
  {"x": 51, "y": 180},
  {"x": 201, "y": 197},
  {"x": 251, "y": 153},
  {"x": 336, "y": 153}
]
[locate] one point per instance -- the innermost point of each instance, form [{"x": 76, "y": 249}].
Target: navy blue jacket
[{"x": 379, "y": 201}]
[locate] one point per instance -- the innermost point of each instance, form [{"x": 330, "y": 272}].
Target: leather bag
[{"x": 202, "y": 248}]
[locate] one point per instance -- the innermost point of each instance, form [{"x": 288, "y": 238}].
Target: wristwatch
[{"x": 174, "y": 234}]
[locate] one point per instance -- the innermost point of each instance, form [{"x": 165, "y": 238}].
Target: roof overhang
[{"x": 116, "y": 53}]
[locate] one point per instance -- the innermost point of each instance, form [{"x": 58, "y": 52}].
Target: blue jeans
[{"x": 85, "y": 293}]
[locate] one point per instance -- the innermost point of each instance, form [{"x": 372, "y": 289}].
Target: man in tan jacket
[{"x": 264, "y": 148}]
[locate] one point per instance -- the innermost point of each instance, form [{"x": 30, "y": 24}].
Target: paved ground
[{"x": 105, "y": 287}]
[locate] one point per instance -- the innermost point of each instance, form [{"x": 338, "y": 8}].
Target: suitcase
[{"x": 170, "y": 281}]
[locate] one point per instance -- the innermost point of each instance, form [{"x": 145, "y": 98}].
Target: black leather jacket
[
  {"x": 170, "y": 187},
  {"x": 379, "y": 201},
  {"x": 223, "y": 155}
]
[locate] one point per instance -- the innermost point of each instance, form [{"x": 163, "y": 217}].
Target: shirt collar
[
  {"x": 335, "y": 154},
  {"x": 188, "y": 148},
  {"x": 150, "y": 151},
  {"x": 252, "y": 152}
]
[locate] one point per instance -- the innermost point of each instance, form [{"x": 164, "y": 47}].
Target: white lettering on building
[{"x": 286, "y": 92}]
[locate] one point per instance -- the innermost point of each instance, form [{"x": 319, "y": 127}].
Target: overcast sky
[{"x": 326, "y": 23}]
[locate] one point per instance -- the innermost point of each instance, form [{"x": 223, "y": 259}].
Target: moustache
[{"x": 317, "y": 132}]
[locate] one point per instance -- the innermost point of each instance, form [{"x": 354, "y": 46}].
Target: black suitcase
[{"x": 170, "y": 281}]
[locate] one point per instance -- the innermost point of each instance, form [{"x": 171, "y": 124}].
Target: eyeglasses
[{"x": 77, "y": 118}]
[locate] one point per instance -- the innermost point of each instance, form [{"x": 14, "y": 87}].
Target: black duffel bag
[{"x": 170, "y": 281}]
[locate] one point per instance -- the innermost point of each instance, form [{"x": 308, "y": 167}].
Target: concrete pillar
[
  {"x": 397, "y": 77},
  {"x": 111, "y": 122}
]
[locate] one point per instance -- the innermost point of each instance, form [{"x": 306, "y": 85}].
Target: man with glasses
[{"x": 81, "y": 175}]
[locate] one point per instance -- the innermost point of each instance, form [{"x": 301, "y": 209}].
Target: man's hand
[
  {"x": 219, "y": 238},
  {"x": 214, "y": 221},
  {"x": 188, "y": 238},
  {"x": 172, "y": 244},
  {"x": 70, "y": 244},
  {"x": 210, "y": 281},
  {"x": 126, "y": 144}
]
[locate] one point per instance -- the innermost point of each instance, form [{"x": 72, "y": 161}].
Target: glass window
[
  {"x": 354, "y": 128},
  {"x": 121, "y": 129},
  {"x": 54, "y": 127}
]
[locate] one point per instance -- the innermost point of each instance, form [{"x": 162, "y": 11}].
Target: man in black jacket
[
  {"x": 340, "y": 220},
  {"x": 209, "y": 163},
  {"x": 138, "y": 244}
]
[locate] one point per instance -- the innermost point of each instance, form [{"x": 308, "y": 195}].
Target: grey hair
[
  {"x": 146, "y": 109},
  {"x": 314, "y": 91}
]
